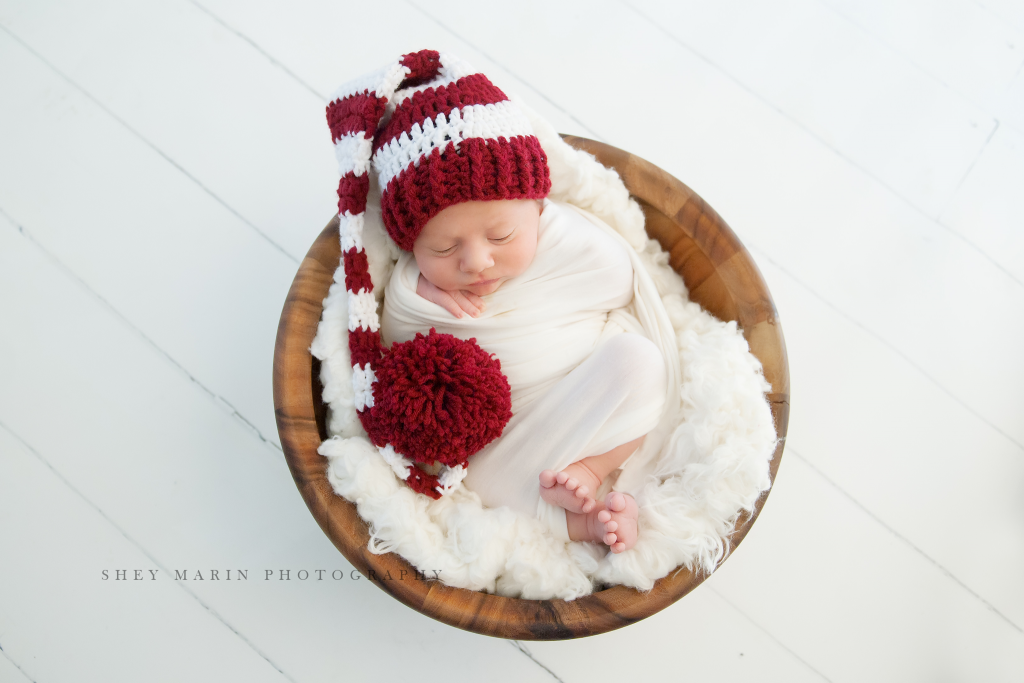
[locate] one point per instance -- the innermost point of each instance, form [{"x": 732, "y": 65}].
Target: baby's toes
[
  {"x": 623, "y": 512},
  {"x": 603, "y": 516},
  {"x": 588, "y": 505},
  {"x": 616, "y": 502},
  {"x": 609, "y": 539},
  {"x": 582, "y": 491},
  {"x": 571, "y": 484},
  {"x": 547, "y": 478}
]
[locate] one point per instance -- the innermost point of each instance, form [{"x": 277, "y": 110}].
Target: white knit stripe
[
  {"x": 490, "y": 121},
  {"x": 401, "y": 465},
  {"x": 381, "y": 82},
  {"x": 450, "y": 478},
  {"x": 350, "y": 230},
  {"x": 362, "y": 311},
  {"x": 391, "y": 80},
  {"x": 362, "y": 382},
  {"x": 353, "y": 153},
  {"x": 452, "y": 69}
]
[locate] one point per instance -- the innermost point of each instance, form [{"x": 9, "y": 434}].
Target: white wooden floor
[{"x": 165, "y": 165}]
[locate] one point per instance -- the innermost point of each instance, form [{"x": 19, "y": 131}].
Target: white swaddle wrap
[{"x": 580, "y": 290}]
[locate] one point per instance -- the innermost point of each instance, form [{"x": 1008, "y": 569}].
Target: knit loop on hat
[{"x": 437, "y": 134}]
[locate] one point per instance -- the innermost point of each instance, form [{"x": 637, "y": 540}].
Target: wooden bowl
[{"x": 721, "y": 277}]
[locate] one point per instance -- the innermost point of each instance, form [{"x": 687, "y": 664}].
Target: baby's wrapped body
[{"x": 583, "y": 375}]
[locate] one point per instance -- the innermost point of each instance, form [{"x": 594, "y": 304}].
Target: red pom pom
[{"x": 438, "y": 399}]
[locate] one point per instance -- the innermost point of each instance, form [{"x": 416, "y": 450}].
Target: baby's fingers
[
  {"x": 448, "y": 303},
  {"x": 429, "y": 291},
  {"x": 475, "y": 300},
  {"x": 465, "y": 304}
]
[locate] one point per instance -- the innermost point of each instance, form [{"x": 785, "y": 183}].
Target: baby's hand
[{"x": 455, "y": 301}]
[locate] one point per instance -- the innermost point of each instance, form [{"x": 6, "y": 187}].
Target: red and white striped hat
[{"x": 436, "y": 134}]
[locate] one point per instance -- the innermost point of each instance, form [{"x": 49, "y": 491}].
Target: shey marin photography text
[{"x": 314, "y": 575}]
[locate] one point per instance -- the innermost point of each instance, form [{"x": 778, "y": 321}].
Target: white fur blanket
[{"x": 711, "y": 464}]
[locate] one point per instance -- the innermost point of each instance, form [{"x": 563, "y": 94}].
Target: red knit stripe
[
  {"x": 355, "y": 114},
  {"x": 423, "y": 66},
  {"x": 427, "y": 104},
  {"x": 480, "y": 169},
  {"x": 357, "y": 274},
  {"x": 366, "y": 416},
  {"x": 364, "y": 346},
  {"x": 421, "y": 482},
  {"x": 352, "y": 191}
]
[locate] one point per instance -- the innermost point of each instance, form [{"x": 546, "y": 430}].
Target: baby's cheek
[
  {"x": 526, "y": 258},
  {"x": 426, "y": 269},
  {"x": 437, "y": 276}
]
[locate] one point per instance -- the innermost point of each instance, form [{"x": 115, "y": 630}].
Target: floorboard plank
[
  {"x": 191, "y": 277},
  {"x": 916, "y": 459},
  {"x": 63, "y": 616},
  {"x": 700, "y": 638},
  {"x": 960, "y": 43},
  {"x": 242, "y": 128},
  {"x": 856, "y": 602}
]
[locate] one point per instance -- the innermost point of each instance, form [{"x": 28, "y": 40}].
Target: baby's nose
[{"x": 476, "y": 260}]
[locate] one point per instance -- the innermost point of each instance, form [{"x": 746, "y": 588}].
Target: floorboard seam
[
  {"x": 141, "y": 549},
  {"x": 910, "y": 544},
  {"x": 952, "y": 195},
  {"x": 219, "y": 400},
  {"x": 997, "y": 15},
  {"x": 522, "y": 648},
  {"x": 148, "y": 143},
  {"x": 15, "y": 665},
  {"x": 932, "y": 220},
  {"x": 761, "y": 253},
  {"x": 323, "y": 98},
  {"x": 522, "y": 80},
  {"x": 952, "y": 198},
  {"x": 768, "y": 633},
  {"x": 302, "y": 82},
  {"x": 920, "y": 67}
]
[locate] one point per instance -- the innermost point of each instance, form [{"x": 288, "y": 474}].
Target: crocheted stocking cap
[{"x": 437, "y": 134}]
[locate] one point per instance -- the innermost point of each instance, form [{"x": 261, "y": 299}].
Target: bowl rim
[{"x": 300, "y": 413}]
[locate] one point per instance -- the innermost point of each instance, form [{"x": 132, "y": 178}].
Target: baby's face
[{"x": 477, "y": 246}]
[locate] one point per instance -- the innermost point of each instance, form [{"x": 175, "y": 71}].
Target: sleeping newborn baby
[
  {"x": 544, "y": 287},
  {"x": 547, "y": 291}
]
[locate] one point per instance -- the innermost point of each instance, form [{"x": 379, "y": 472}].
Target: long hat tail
[{"x": 434, "y": 399}]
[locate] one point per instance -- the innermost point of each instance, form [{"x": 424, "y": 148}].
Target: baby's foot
[
  {"x": 570, "y": 489},
  {"x": 619, "y": 519}
]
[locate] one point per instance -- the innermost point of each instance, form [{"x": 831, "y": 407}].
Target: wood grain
[{"x": 721, "y": 277}]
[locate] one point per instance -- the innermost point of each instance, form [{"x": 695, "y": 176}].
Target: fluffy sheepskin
[{"x": 714, "y": 466}]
